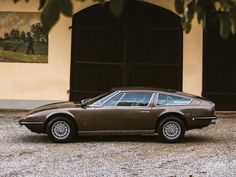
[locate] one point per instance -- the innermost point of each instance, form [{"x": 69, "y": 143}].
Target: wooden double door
[
  {"x": 142, "y": 47},
  {"x": 219, "y": 68}
]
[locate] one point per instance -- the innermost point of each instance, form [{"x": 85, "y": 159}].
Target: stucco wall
[
  {"x": 39, "y": 81},
  {"x": 192, "y": 60},
  {"x": 51, "y": 81}
]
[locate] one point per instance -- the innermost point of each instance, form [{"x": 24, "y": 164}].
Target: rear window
[{"x": 165, "y": 99}]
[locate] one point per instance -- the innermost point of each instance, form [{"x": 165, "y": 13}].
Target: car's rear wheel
[
  {"x": 171, "y": 129},
  {"x": 61, "y": 129}
]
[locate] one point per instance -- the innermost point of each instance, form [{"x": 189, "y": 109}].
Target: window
[
  {"x": 164, "y": 99},
  {"x": 115, "y": 100},
  {"x": 135, "y": 99},
  {"x": 101, "y": 99}
]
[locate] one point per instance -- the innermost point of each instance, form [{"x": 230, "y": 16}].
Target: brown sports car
[{"x": 168, "y": 113}]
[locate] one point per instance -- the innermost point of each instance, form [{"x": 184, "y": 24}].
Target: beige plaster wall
[
  {"x": 192, "y": 60},
  {"x": 52, "y": 81},
  {"x": 39, "y": 81},
  {"x": 168, "y": 4}
]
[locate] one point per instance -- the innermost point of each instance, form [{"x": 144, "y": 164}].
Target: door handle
[{"x": 146, "y": 112}]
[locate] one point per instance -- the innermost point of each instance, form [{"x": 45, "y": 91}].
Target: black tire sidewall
[
  {"x": 72, "y": 127},
  {"x": 163, "y": 122}
]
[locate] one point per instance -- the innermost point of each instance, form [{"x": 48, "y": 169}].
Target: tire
[
  {"x": 171, "y": 129},
  {"x": 61, "y": 130}
]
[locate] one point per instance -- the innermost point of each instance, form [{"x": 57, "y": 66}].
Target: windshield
[{"x": 101, "y": 99}]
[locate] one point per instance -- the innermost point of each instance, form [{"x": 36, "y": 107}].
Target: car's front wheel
[
  {"x": 61, "y": 129},
  {"x": 171, "y": 129}
]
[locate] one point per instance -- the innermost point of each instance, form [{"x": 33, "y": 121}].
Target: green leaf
[
  {"x": 190, "y": 10},
  {"x": 179, "y": 6},
  {"x": 233, "y": 19},
  {"x": 188, "y": 16},
  {"x": 41, "y": 4},
  {"x": 50, "y": 15},
  {"x": 186, "y": 25},
  {"x": 65, "y": 7},
  {"x": 116, "y": 7},
  {"x": 201, "y": 15},
  {"x": 225, "y": 3},
  {"x": 225, "y": 25}
]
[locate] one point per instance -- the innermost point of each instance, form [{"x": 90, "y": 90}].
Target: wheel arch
[
  {"x": 63, "y": 114},
  {"x": 169, "y": 114}
]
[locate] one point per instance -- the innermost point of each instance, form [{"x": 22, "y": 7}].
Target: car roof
[
  {"x": 143, "y": 89},
  {"x": 153, "y": 89}
]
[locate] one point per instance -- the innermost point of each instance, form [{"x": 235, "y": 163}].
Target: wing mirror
[{"x": 84, "y": 103}]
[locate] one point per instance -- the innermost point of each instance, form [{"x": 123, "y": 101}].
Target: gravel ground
[{"x": 207, "y": 152}]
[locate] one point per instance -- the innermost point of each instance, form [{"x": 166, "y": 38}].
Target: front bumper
[
  {"x": 34, "y": 126},
  {"x": 22, "y": 122}
]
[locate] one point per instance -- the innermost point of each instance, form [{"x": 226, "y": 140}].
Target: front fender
[{"x": 60, "y": 113}]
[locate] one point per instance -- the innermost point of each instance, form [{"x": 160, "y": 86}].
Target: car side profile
[{"x": 124, "y": 111}]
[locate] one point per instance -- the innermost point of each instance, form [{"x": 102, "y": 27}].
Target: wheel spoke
[
  {"x": 171, "y": 130},
  {"x": 60, "y": 130}
]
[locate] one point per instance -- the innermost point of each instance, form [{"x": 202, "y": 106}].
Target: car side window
[
  {"x": 103, "y": 99},
  {"x": 135, "y": 99},
  {"x": 114, "y": 101},
  {"x": 165, "y": 99}
]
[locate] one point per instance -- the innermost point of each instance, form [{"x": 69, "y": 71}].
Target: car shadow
[
  {"x": 118, "y": 138},
  {"x": 115, "y": 138},
  {"x": 140, "y": 138}
]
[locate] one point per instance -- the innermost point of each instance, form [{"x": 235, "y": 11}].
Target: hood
[{"x": 55, "y": 106}]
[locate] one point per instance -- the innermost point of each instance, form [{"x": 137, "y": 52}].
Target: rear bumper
[
  {"x": 200, "y": 122},
  {"x": 34, "y": 126}
]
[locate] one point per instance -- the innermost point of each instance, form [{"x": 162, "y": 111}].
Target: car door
[{"x": 125, "y": 111}]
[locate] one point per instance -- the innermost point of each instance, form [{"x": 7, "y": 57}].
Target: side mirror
[{"x": 84, "y": 105}]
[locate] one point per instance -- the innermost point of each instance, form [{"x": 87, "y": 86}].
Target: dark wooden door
[
  {"x": 219, "y": 69},
  {"x": 143, "y": 47}
]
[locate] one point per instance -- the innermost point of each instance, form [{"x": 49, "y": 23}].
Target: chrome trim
[
  {"x": 60, "y": 130},
  {"x": 116, "y": 132},
  {"x": 151, "y": 99},
  {"x": 171, "y": 130},
  {"x": 108, "y": 99},
  {"x": 30, "y": 123},
  {"x": 204, "y": 118},
  {"x": 120, "y": 98},
  {"x": 116, "y": 93},
  {"x": 136, "y": 106},
  {"x": 144, "y": 111},
  {"x": 124, "y": 93}
]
